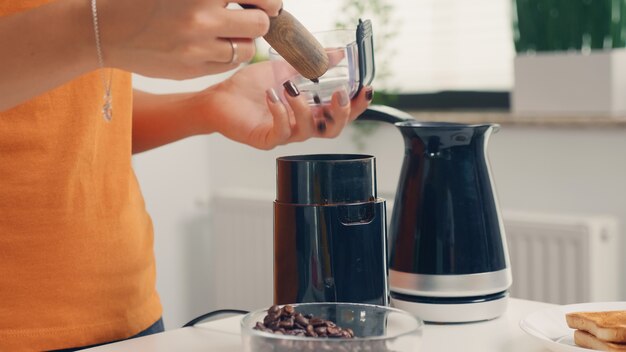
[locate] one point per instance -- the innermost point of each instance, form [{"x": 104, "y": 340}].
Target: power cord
[{"x": 208, "y": 315}]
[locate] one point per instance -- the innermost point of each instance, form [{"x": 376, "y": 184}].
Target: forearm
[
  {"x": 162, "y": 119},
  {"x": 43, "y": 48}
]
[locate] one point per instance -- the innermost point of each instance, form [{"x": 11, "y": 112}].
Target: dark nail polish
[
  {"x": 316, "y": 99},
  {"x": 291, "y": 89},
  {"x": 327, "y": 115},
  {"x": 369, "y": 94},
  {"x": 321, "y": 126}
]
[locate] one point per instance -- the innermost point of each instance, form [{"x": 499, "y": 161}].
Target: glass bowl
[{"x": 376, "y": 328}]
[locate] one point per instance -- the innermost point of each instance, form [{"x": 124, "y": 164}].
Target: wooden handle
[{"x": 297, "y": 45}]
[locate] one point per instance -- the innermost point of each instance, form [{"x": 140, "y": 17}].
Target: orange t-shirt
[{"x": 76, "y": 244}]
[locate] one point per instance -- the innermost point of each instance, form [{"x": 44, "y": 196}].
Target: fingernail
[
  {"x": 316, "y": 99},
  {"x": 327, "y": 115},
  {"x": 343, "y": 97},
  {"x": 321, "y": 126},
  {"x": 291, "y": 89},
  {"x": 272, "y": 96},
  {"x": 369, "y": 93}
]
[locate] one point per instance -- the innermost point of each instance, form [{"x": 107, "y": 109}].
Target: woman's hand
[
  {"x": 180, "y": 38},
  {"x": 245, "y": 109}
]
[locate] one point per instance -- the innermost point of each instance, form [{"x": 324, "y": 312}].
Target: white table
[{"x": 498, "y": 335}]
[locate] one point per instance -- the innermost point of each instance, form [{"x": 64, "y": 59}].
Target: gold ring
[{"x": 235, "y": 56}]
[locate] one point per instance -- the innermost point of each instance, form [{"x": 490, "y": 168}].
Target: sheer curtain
[{"x": 439, "y": 44}]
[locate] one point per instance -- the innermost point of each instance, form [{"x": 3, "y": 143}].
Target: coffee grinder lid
[{"x": 325, "y": 179}]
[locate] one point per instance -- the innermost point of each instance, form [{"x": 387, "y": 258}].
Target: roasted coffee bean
[
  {"x": 310, "y": 331},
  {"x": 301, "y": 320},
  {"x": 288, "y": 310},
  {"x": 273, "y": 325},
  {"x": 317, "y": 321},
  {"x": 286, "y": 321},
  {"x": 333, "y": 331},
  {"x": 268, "y": 319},
  {"x": 275, "y": 309},
  {"x": 321, "y": 331}
]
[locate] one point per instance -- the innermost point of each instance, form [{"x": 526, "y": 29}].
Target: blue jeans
[{"x": 153, "y": 329}]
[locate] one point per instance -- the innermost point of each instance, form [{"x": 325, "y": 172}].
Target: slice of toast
[
  {"x": 607, "y": 326},
  {"x": 586, "y": 340}
]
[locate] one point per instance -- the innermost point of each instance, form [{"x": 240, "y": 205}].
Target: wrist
[
  {"x": 84, "y": 40},
  {"x": 108, "y": 22},
  {"x": 105, "y": 20},
  {"x": 203, "y": 110},
  {"x": 162, "y": 119},
  {"x": 121, "y": 22},
  {"x": 192, "y": 110}
]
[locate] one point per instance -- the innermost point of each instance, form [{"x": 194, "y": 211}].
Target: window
[{"x": 456, "y": 45}]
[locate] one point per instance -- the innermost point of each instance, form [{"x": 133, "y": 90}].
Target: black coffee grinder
[
  {"x": 449, "y": 261},
  {"x": 329, "y": 231}
]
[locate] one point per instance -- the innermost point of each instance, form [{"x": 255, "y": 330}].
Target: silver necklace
[{"x": 107, "y": 106}]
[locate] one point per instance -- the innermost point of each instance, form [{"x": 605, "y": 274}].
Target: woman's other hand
[{"x": 245, "y": 109}]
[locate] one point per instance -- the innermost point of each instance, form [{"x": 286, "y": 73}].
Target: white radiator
[
  {"x": 557, "y": 259},
  {"x": 563, "y": 259},
  {"x": 242, "y": 235}
]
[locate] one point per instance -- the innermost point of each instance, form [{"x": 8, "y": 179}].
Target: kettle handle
[{"x": 384, "y": 113}]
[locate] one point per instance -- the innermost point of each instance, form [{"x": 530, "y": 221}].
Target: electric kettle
[{"x": 448, "y": 258}]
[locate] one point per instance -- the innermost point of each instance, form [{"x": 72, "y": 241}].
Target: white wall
[{"x": 175, "y": 183}]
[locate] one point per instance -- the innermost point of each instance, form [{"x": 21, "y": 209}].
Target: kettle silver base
[{"x": 458, "y": 310}]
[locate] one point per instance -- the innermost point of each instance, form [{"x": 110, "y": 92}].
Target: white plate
[{"x": 550, "y": 327}]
